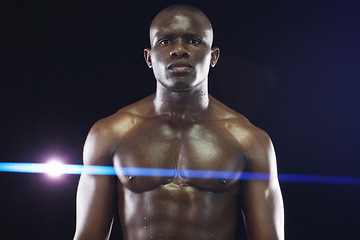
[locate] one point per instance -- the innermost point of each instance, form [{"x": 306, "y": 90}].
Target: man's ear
[
  {"x": 147, "y": 56},
  {"x": 215, "y": 54}
]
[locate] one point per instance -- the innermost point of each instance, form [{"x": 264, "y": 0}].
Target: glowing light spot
[{"x": 54, "y": 168}]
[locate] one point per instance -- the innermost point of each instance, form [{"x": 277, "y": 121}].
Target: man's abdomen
[{"x": 178, "y": 211}]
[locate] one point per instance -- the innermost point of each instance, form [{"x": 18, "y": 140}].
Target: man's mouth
[{"x": 179, "y": 67}]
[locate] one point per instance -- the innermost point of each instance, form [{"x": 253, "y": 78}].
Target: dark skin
[{"x": 180, "y": 127}]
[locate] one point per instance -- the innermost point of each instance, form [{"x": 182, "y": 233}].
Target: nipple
[
  {"x": 130, "y": 178},
  {"x": 223, "y": 181}
]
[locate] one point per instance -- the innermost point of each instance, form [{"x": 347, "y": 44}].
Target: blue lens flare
[
  {"x": 161, "y": 172},
  {"x": 318, "y": 179}
]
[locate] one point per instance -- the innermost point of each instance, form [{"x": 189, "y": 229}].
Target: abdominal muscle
[{"x": 177, "y": 211}]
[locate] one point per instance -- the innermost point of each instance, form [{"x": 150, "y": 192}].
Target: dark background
[{"x": 291, "y": 67}]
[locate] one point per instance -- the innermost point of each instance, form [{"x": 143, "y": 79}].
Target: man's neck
[{"x": 181, "y": 104}]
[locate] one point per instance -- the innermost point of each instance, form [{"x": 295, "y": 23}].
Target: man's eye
[
  {"x": 164, "y": 42},
  {"x": 194, "y": 41}
]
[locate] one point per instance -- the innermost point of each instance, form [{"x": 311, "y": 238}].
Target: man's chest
[{"x": 200, "y": 154}]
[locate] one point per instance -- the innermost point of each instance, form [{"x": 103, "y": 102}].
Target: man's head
[{"x": 181, "y": 55}]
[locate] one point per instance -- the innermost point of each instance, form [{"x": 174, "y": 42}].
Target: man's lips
[{"x": 179, "y": 67}]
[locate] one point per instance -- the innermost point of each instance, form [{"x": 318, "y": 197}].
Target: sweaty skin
[{"x": 180, "y": 127}]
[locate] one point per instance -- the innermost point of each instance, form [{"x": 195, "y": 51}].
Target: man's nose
[{"x": 180, "y": 49}]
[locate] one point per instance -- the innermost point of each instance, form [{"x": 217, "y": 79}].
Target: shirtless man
[{"x": 179, "y": 128}]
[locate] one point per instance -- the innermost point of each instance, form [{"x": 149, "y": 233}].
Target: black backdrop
[{"x": 291, "y": 67}]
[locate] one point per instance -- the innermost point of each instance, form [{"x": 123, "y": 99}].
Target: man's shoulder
[
  {"x": 143, "y": 108},
  {"x": 239, "y": 126},
  {"x": 103, "y": 136},
  {"x": 123, "y": 120},
  {"x": 116, "y": 123},
  {"x": 254, "y": 142},
  {"x": 246, "y": 133}
]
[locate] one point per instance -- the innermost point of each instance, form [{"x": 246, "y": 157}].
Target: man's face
[{"x": 180, "y": 53}]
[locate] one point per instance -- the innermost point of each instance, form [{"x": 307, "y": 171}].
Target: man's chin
[{"x": 179, "y": 86}]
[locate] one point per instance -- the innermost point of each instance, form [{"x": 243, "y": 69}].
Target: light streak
[{"x": 161, "y": 172}]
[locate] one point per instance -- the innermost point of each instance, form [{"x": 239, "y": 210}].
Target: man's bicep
[
  {"x": 261, "y": 199},
  {"x": 96, "y": 196},
  {"x": 96, "y": 201},
  {"x": 263, "y": 210}
]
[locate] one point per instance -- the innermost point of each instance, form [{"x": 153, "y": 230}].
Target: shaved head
[
  {"x": 181, "y": 51},
  {"x": 181, "y": 14}
]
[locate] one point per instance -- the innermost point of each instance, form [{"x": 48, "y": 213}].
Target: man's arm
[
  {"x": 96, "y": 197},
  {"x": 262, "y": 200}
]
